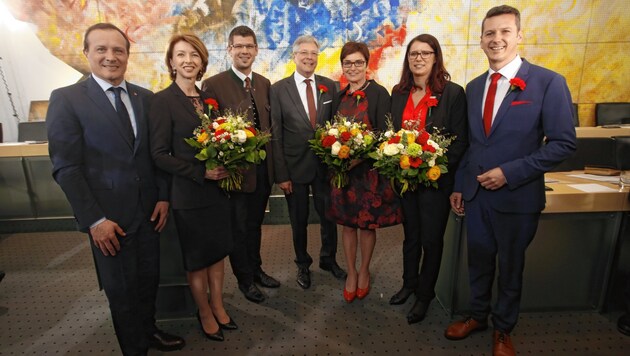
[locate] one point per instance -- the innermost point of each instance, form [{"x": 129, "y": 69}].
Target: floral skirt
[{"x": 366, "y": 202}]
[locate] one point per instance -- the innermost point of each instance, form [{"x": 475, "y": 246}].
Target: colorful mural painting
[{"x": 582, "y": 39}]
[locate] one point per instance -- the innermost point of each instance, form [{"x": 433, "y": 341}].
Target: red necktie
[
  {"x": 310, "y": 101},
  {"x": 489, "y": 105},
  {"x": 248, "y": 84}
]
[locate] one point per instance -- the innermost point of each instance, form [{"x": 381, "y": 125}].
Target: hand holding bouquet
[
  {"x": 230, "y": 141},
  {"x": 340, "y": 143},
  {"x": 409, "y": 157}
]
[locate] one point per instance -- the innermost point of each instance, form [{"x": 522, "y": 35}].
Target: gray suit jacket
[{"x": 291, "y": 129}]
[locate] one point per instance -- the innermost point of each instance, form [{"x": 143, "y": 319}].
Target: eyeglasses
[
  {"x": 307, "y": 53},
  {"x": 243, "y": 46},
  {"x": 423, "y": 54},
  {"x": 349, "y": 64}
]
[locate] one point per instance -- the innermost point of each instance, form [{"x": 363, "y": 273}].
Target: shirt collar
[
  {"x": 240, "y": 75},
  {"x": 299, "y": 78},
  {"x": 509, "y": 70},
  {"x": 106, "y": 85}
]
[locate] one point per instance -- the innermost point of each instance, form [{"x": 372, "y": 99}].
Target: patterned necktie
[
  {"x": 248, "y": 84},
  {"x": 489, "y": 105},
  {"x": 123, "y": 114},
  {"x": 310, "y": 100},
  {"x": 248, "y": 88}
]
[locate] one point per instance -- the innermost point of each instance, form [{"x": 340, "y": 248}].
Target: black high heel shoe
[
  {"x": 218, "y": 336},
  {"x": 230, "y": 325}
]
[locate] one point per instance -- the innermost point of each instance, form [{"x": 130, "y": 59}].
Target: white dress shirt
[
  {"x": 299, "y": 81},
  {"x": 503, "y": 85}
]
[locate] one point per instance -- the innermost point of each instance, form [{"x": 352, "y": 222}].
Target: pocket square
[
  {"x": 522, "y": 102},
  {"x": 327, "y": 102}
]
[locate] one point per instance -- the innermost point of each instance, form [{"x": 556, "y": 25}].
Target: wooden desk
[
  {"x": 566, "y": 199},
  {"x": 21, "y": 149},
  {"x": 599, "y": 131}
]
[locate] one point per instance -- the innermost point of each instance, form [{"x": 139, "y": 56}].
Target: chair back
[
  {"x": 32, "y": 131},
  {"x": 612, "y": 113}
]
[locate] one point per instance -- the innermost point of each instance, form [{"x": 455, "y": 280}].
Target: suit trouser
[
  {"x": 239, "y": 257},
  {"x": 298, "y": 204},
  {"x": 130, "y": 280},
  {"x": 257, "y": 204},
  {"x": 426, "y": 212},
  {"x": 493, "y": 234}
]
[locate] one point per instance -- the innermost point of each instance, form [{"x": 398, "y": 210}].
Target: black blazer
[
  {"x": 450, "y": 116},
  {"x": 291, "y": 129},
  {"x": 102, "y": 173},
  {"x": 378, "y": 104},
  {"x": 173, "y": 118}
]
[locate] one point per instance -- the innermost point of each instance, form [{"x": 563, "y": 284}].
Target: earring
[
  {"x": 199, "y": 76},
  {"x": 174, "y": 72}
]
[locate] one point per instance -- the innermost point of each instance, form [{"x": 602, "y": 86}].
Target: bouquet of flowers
[
  {"x": 339, "y": 143},
  {"x": 230, "y": 141},
  {"x": 410, "y": 157}
]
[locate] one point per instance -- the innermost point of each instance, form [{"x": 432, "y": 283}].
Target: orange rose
[
  {"x": 404, "y": 162},
  {"x": 434, "y": 173},
  {"x": 344, "y": 152}
]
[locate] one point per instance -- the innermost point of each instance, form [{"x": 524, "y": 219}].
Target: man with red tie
[{"x": 511, "y": 108}]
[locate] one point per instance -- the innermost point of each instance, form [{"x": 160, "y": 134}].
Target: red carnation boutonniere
[
  {"x": 322, "y": 89},
  {"x": 359, "y": 94},
  {"x": 432, "y": 102},
  {"x": 517, "y": 83},
  {"x": 212, "y": 104}
]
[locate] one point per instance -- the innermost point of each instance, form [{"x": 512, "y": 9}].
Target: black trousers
[
  {"x": 298, "y": 204},
  {"x": 426, "y": 212},
  {"x": 130, "y": 280}
]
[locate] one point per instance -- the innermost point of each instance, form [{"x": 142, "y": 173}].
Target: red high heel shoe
[
  {"x": 363, "y": 292},
  {"x": 349, "y": 296}
]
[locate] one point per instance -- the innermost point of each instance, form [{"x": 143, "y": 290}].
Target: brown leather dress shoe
[
  {"x": 461, "y": 329},
  {"x": 502, "y": 344}
]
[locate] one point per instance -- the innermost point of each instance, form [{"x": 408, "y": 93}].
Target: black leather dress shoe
[
  {"x": 165, "y": 342},
  {"x": 266, "y": 280},
  {"x": 304, "y": 277},
  {"x": 334, "y": 269},
  {"x": 623, "y": 324},
  {"x": 230, "y": 325},
  {"x": 417, "y": 312},
  {"x": 252, "y": 293},
  {"x": 401, "y": 296}
]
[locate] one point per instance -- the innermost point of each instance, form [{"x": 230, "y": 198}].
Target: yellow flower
[
  {"x": 404, "y": 162},
  {"x": 382, "y": 146},
  {"x": 434, "y": 173},
  {"x": 249, "y": 133},
  {"x": 342, "y": 128},
  {"x": 355, "y": 132},
  {"x": 344, "y": 152},
  {"x": 411, "y": 138},
  {"x": 203, "y": 137}
]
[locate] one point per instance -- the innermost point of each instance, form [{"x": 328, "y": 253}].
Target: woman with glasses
[
  {"x": 367, "y": 202},
  {"x": 425, "y": 99}
]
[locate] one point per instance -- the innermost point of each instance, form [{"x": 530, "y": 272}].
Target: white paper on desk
[
  {"x": 607, "y": 179},
  {"x": 592, "y": 188}
]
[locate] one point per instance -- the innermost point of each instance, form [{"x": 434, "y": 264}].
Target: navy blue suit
[
  {"x": 106, "y": 174},
  {"x": 503, "y": 222}
]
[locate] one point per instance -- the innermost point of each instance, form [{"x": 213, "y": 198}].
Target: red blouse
[{"x": 416, "y": 117}]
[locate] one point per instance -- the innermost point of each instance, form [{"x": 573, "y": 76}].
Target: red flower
[
  {"x": 432, "y": 101},
  {"x": 252, "y": 130},
  {"x": 220, "y": 121},
  {"x": 415, "y": 162},
  {"x": 345, "y": 136},
  {"x": 428, "y": 148},
  {"x": 212, "y": 104},
  {"x": 328, "y": 141},
  {"x": 423, "y": 138},
  {"x": 359, "y": 94},
  {"x": 517, "y": 82},
  {"x": 219, "y": 132},
  {"x": 322, "y": 89},
  {"x": 394, "y": 139}
]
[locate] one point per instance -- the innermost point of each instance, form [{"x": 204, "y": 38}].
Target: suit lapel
[
  {"x": 320, "y": 100},
  {"x": 475, "y": 102},
  {"x": 184, "y": 100},
  {"x": 138, "y": 111},
  {"x": 293, "y": 93},
  {"x": 509, "y": 97},
  {"x": 98, "y": 96}
]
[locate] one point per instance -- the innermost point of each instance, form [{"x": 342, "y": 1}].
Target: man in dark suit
[
  {"x": 98, "y": 144},
  {"x": 501, "y": 176},
  {"x": 299, "y": 103},
  {"x": 241, "y": 90}
]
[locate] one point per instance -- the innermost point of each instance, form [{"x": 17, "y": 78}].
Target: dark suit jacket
[
  {"x": 449, "y": 116},
  {"x": 291, "y": 129},
  {"x": 515, "y": 143},
  {"x": 227, "y": 89},
  {"x": 101, "y": 172},
  {"x": 173, "y": 118},
  {"x": 378, "y": 108}
]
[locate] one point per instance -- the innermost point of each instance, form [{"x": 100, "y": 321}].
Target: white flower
[
  {"x": 389, "y": 133},
  {"x": 347, "y": 123},
  {"x": 431, "y": 162},
  {"x": 241, "y": 136},
  {"x": 215, "y": 125},
  {"x": 334, "y": 149},
  {"x": 333, "y": 132},
  {"x": 392, "y": 149}
]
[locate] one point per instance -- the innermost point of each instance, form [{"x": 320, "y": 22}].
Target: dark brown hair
[
  {"x": 242, "y": 31},
  {"x": 103, "y": 26},
  {"x": 197, "y": 44},
  {"x": 355, "y": 47},
  {"x": 438, "y": 77},
  {"x": 502, "y": 10}
]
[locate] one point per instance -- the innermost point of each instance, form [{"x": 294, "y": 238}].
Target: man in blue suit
[
  {"x": 501, "y": 177},
  {"x": 98, "y": 144}
]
